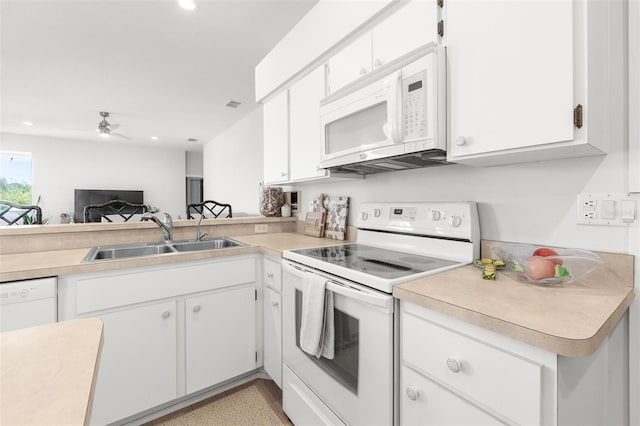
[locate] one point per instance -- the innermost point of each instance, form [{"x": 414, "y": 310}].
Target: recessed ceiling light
[
  {"x": 232, "y": 104},
  {"x": 155, "y": 138},
  {"x": 192, "y": 140},
  {"x": 27, "y": 123},
  {"x": 187, "y": 4}
]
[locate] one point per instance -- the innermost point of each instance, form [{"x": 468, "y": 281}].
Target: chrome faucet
[
  {"x": 166, "y": 225},
  {"x": 200, "y": 235}
]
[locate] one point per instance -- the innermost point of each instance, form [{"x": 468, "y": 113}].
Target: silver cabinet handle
[
  {"x": 196, "y": 308},
  {"x": 412, "y": 393},
  {"x": 275, "y": 304},
  {"x": 453, "y": 365},
  {"x": 283, "y": 174},
  {"x": 166, "y": 314},
  {"x": 269, "y": 275},
  {"x": 377, "y": 63}
]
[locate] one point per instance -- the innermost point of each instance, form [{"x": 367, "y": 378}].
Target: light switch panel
[{"x": 609, "y": 209}]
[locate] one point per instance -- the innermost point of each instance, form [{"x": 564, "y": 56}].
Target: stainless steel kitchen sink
[
  {"x": 212, "y": 244},
  {"x": 126, "y": 251}
]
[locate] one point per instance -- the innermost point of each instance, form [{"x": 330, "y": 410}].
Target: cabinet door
[
  {"x": 220, "y": 337},
  {"x": 305, "y": 148},
  {"x": 511, "y": 74},
  {"x": 273, "y": 335},
  {"x": 350, "y": 63},
  {"x": 422, "y": 402},
  {"x": 138, "y": 362},
  {"x": 276, "y": 138},
  {"x": 412, "y": 26}
]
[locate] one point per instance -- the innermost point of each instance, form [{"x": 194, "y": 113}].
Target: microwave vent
[{"x": 414, "y": 160}]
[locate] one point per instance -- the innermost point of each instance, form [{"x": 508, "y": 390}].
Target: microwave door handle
[{"x": 391, "y": 128}]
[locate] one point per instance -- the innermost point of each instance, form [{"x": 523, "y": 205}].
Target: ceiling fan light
[{"x": 187, "y": 4}]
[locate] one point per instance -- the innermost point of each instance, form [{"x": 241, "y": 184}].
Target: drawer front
[
  {"x": 272, "y": 274},
  {"x": 302, "y": 406},
  {"x": 501, "y": 381},
  {"x": 422, "y": 402}
]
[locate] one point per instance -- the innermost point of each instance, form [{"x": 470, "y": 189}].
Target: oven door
[{"x": 357, "y": 385}]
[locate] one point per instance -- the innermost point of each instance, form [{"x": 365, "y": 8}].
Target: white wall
[
  {"x": 194, "y": 163},
  {"x": 533, "y": 202},
  {"x": 233, "y": 165},
  {"x": 60, "y": 166}
]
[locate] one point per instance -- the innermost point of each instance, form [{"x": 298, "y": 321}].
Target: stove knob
[
  {"x": 434, "y": 214},
  {"x": 376, "y": 212},
  {"x": 455, "y": 221},
  {"x": 364, "y": 215}
]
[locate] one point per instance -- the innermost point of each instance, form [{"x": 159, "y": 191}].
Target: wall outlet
[
  {"x": 607, "y": 209},
  {"x": 261, "y": 228}
]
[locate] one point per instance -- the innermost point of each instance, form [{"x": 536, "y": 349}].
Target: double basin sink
[{"x": 126, "y": 251}]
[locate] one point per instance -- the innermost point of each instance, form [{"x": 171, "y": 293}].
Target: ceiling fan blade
[
  {"x": 114, "y": 126},
  {"x": 118, "y": 135}
]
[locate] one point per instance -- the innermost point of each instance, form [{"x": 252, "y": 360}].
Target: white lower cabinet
[
  {"x": 169, "y": 330},
  {"x": 137, "y": 367},
  {"x": 424, "y": 402},
  {"x": 272, "y": 319},
  {"x": 220, "y": 336},
  {"x": 455, "y": 373}
]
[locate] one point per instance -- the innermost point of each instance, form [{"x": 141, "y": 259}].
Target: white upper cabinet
[
  {"x": 517, "y": 70},
  {"x": 304, "y": 116},
  {"x": 276, "y": 138},
  {"x": 412, "y": 26},
  {"x": 406, "y": 29},
  {"x": 350, "y": 63}
]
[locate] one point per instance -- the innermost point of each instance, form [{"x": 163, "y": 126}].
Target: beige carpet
[{"x": 247, "y": 406}]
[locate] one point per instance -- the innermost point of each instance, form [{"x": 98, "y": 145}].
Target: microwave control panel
[{"x": 414, "y": 106}]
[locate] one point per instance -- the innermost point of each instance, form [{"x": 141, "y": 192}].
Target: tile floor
[{"x": 243, "y": 405}]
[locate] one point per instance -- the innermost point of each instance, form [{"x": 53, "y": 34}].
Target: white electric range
[{"x": 397, "y": 242}]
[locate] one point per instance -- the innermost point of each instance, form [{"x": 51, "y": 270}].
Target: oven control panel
[{"x": 451, "y": 219}]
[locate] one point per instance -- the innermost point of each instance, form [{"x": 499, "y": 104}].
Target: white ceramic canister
[{"x": 286, "y": 210}]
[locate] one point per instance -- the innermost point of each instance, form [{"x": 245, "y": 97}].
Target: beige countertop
[
  {"x": 570, "y": 319},
  {"x": 22, "y": 266},
  {"x": 47, "y": 373}
]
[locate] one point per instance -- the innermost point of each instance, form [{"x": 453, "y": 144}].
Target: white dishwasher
[{"x": 28, "y": 303}]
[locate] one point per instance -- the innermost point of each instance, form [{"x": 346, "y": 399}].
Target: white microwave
[{"x": 389, "y": 120}]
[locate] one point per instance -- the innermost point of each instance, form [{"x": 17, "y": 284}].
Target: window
[{"x": 15, "y": 177}]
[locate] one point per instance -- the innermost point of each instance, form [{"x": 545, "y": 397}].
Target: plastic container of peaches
[{"x": 547, "y": 265}]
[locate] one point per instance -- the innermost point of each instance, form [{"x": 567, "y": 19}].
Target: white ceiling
[{"x": 158, "y": 69}]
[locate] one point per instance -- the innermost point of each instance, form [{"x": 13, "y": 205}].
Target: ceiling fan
[{"x": 105, "y": 128}]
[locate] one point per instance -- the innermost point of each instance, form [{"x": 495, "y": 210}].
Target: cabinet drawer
[
  {"x": 272, "y": 274},
  {"x": 492, "y": 377},
  {"x": 422, "y": 402}
]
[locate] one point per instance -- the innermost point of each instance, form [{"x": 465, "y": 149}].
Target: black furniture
[
  {"x": 124, "y": 209},
  {"x": 11, "y": 213},
  {"x": 209, "y": 207}
]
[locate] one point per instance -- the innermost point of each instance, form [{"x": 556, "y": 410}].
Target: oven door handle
[{"x": 375, "y": 299}]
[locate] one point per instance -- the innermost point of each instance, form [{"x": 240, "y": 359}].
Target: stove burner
[{"x": 384, "y": 264}]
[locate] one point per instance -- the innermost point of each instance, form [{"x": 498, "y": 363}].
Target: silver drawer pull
[
  {"x": 453, "y": 365},
  {"x": 412, "y": 393},
  {"x": 275, "y": 304},
  {"x": 270, "y": 275},
  {"x": 196, "y": 308},
  {"x": 166, "y": 314}
]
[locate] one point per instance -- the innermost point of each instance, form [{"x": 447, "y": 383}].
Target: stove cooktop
[{"x": 376, "y": 261}]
